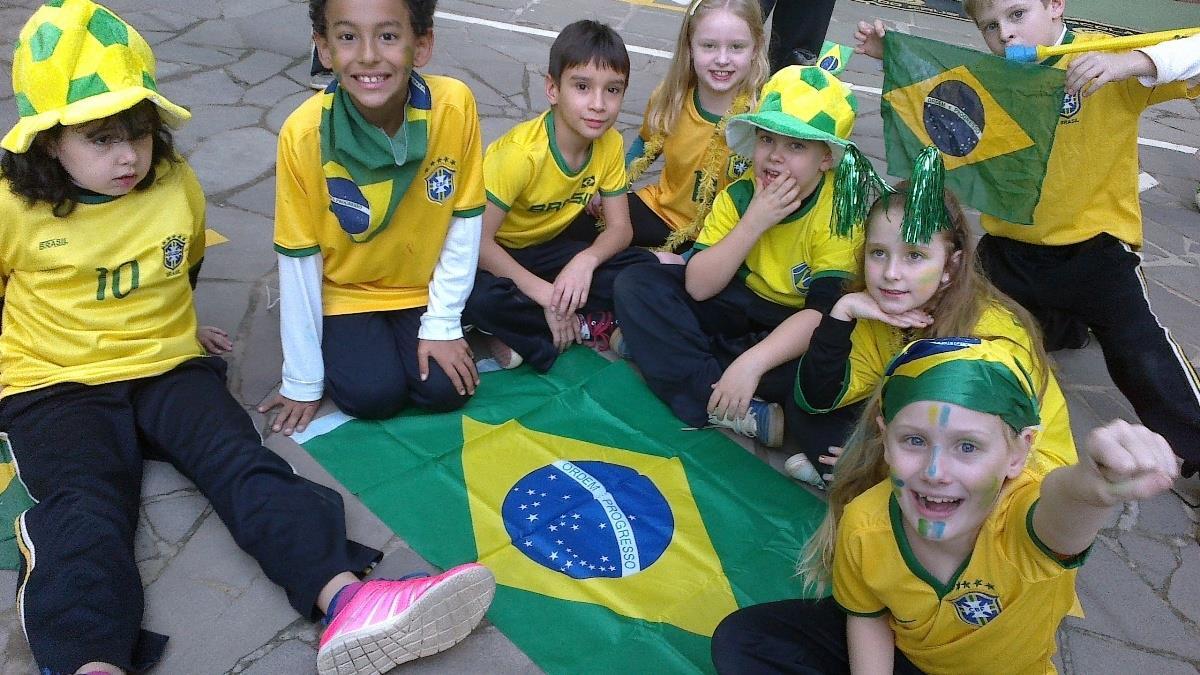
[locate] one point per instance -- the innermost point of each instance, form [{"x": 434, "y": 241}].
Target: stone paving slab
[{"x": 242, "y": 66}]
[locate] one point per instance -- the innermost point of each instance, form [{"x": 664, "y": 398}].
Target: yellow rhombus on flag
[
  {"x": 1001, "y": 136},
  {"x": 684, "y": 586}
]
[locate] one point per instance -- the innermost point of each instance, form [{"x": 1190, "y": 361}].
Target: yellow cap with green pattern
[{"x": 74, "y": 62}]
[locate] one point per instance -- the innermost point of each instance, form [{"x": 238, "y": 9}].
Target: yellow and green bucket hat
[
  {"x": 76, "y": 61},
  {"x": 801, "y": 102}
]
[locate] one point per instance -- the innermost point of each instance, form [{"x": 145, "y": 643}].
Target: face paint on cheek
[
  {"x": 897, "y": 485},
  {"x": 931, "y": 530}
]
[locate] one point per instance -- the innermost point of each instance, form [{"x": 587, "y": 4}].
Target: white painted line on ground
[
  {"x": 515, "y": 28},
  {"x": 321, "y": 425},
  {"x": 1186, "y": 149},
  {"x": 1146, "y": 181}
]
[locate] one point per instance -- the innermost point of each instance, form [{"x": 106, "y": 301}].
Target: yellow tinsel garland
[{"x": 714, "y": 160}]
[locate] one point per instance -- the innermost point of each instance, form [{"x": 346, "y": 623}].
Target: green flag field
[
  {"x": 618, "y": 539},
  {"x": 992, "y": 119}
]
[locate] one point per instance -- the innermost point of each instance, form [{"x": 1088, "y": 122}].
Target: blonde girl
[
  {"x": 946, "y": 554},
  {"x": 720, "y": 62},
  {"x": 912, "y": 284}
]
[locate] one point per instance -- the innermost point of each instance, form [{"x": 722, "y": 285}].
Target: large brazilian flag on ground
[
  {"x": 993, "y": 119},
  {"x": 618, "y": 539},
  {"x": 13, "y": 502}
]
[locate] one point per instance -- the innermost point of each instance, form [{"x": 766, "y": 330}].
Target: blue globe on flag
[{"x": 588, "y": 519}]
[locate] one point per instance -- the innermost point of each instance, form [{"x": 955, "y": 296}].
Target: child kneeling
[{"x": 101, "y": 369}]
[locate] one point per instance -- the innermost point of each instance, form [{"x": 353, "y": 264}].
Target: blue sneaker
[{"x": 763, "y": 422}]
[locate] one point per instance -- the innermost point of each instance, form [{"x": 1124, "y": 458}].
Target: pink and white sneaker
[{"x": 386, "y": 623}]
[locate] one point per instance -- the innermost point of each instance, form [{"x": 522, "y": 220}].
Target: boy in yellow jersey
[
  {"x": 718, "y": 341},
  {"x": 101, "y": 233},
  {"x": 533, "y": 277},
  {"x": 379, "y": 194},
  {"x": 1077, "y": 267}
]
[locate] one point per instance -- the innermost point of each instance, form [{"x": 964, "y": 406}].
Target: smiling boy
[
  {"x": 534, "y": 278},
  {"x": 377, "y": 218}
]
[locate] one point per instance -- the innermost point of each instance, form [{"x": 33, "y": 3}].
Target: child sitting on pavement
[
  {"x": 379, "y": 192},
  {"x": 919, "y": 279},
  {"x": 533, "y": 276},
  {"x": 713, "y": 336},
  {"x": 101, "y": 236},
  {"x": 1078, "y": 261},
  {"x": 945, "y": 552}
]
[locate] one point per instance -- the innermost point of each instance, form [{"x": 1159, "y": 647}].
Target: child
[
  {"x": 719, "y": 65},
  {"x": 378, "y": 196},
  {"x": 711, "y": 336},
  {"x": 947, "y": 555},
  {"x": 1076, "y": 268},
  {"x": 101, "y": 226},
  {"x": 533, "y": 276},
  {"x": 913, "y": 283}
]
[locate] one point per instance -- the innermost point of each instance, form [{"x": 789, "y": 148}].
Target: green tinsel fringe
[
  {"x": 925, "y": 207},
  {"x": 855, "y": 187}
]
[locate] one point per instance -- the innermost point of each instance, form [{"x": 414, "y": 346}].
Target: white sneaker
[{"x": 799, "y": 467}]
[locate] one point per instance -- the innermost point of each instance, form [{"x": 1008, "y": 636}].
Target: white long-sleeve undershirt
[{"x": 301, "y": 316}]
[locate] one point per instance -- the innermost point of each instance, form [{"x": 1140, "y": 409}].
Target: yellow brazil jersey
[
  {"x": 874, "y": 344},
  {"x": 392, "y": 269},
  {"x": 101, "y": 295},
  {"x": 786, "y": 259},
  {"x": 1000, "y": 610},
  {"x": 526, "y": 175},
  {"x": 676, "y": 195},
  {"x": 1091, "y": 183}
]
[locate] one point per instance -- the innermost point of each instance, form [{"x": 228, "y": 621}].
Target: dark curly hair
[
  {"x": 420, "y": 15},
  {"x": 38, "y": 176}
]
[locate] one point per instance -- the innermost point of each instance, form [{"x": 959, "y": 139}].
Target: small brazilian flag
[
  {"x": 834, "y": 57},
  {"x": 993, "y": 119},
  {"x": 13, "y": 502},
  {"x": 619, "y": 540}
]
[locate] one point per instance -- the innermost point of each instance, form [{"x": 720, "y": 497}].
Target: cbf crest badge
[
  {"x": 977, "y": 608},
  {"x": 439, "y": 179},
  {"x": 736, "y": 167},
  {"x": 1072, "y": 104},
  {"x": 174, "y": 250},
  {"x": 801, "y": 278}
]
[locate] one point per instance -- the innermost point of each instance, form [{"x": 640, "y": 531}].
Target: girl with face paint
[
  {"x": 945, "y": 552},
  {"x": 918, "y": 279}
]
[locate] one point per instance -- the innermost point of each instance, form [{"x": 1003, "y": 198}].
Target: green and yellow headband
[
  {"x": 976, "y": 374},
  {"x": 74, "y": 62}
]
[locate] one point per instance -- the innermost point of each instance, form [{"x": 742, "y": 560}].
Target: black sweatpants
[
  {"x": 789, "y": 636},
  {"x": 79, "y": 451},
  {"x": 498, "y": 307},
  {"x": 649, "y": 230},
  {"x": 683, "y": 346},
  {"x": 371, "y": 366},
  {"x": 815, "y": 433},
  {"x": 1099, "y": 282},
  {"x": 797, "y": 24}
]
